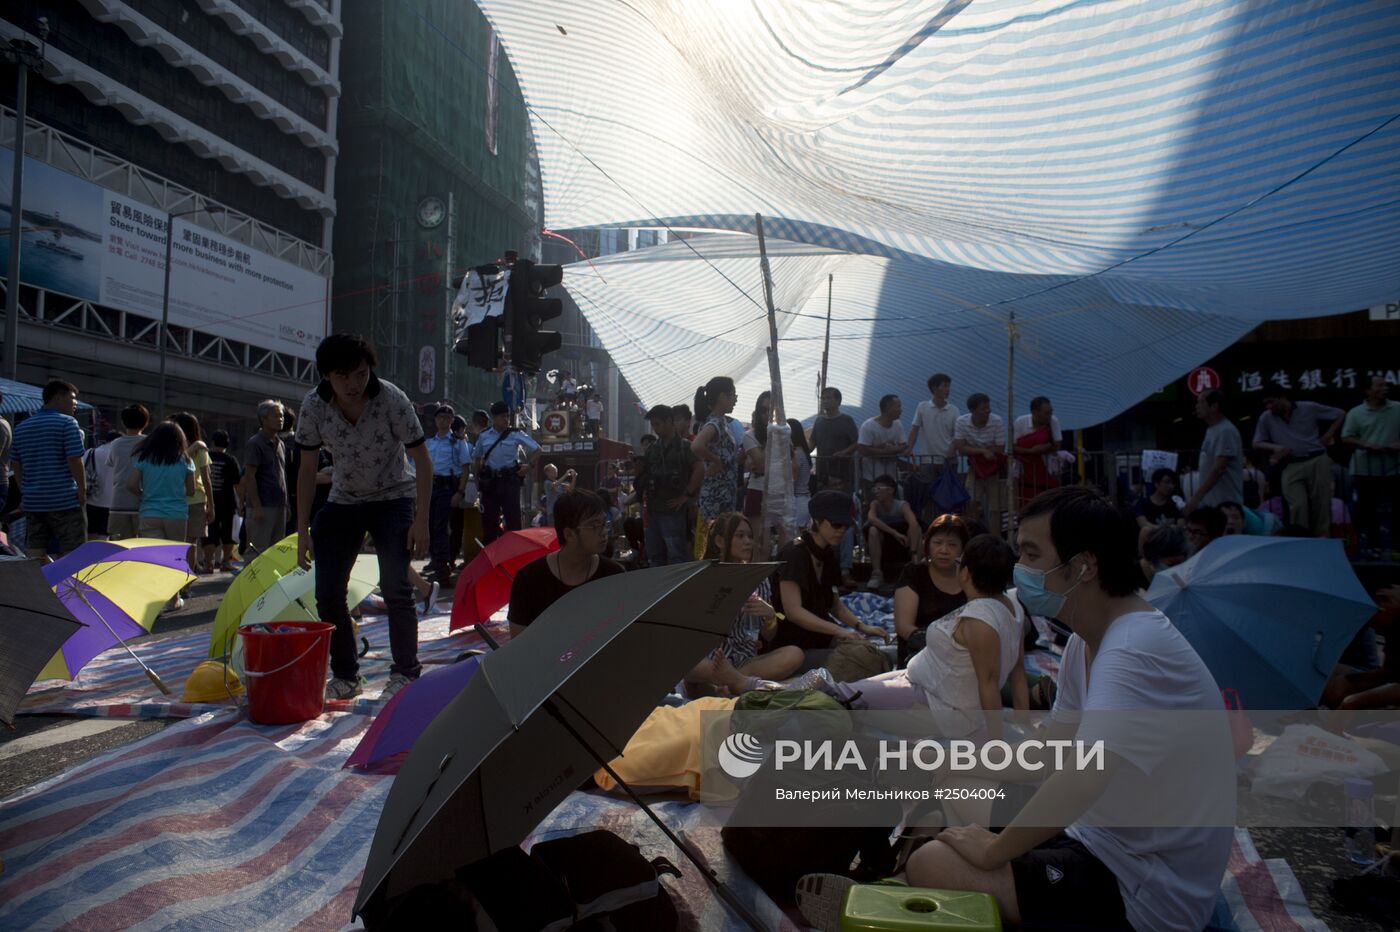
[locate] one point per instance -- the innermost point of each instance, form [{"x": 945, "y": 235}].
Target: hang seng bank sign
[{"x": 91, "y": 243}]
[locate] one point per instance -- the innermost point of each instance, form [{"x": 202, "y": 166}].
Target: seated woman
[
  {"x": 888, "y": 520},
  {"x": 972, "y": 652},
  {"x": 737, "y": 665},
  {"x": 811, "y": 617},
  {"x": 928, "y": 591}
]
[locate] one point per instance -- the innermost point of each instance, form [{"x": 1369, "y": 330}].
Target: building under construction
[{"x": 436, "y": 174}]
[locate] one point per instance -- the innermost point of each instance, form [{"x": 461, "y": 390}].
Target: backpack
[{"x": 592, "y": 882}]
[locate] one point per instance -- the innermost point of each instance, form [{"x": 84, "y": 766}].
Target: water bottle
[{"x": 1360, "y": 844}]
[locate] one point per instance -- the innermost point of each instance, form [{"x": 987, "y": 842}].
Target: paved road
[{"x": 41, "y": 746}]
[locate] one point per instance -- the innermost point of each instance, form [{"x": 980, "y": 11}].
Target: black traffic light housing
[{"x": 527, "y": 309}]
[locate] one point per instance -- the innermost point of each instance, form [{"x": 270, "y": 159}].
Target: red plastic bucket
[{"x": 286, "y": 670}]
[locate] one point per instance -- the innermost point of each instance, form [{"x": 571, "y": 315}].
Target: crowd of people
[{"x": 357, "y": 465}]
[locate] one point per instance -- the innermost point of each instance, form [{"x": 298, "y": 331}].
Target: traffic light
[
  {"x": 482, "y": 344},
  {"x": 528, "y": 309}
]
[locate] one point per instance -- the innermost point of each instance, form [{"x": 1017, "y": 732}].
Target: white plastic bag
[{"x": 1306, "y": 754}]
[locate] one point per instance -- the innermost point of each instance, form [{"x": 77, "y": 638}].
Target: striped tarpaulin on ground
[
  {"x": 219, "y": 823},
  {"x": 113, "y": 686},
  {"x": 1224, "y": 158}
]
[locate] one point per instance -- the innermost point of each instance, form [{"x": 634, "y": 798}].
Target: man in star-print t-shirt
[{"x": 371, "y": 430}]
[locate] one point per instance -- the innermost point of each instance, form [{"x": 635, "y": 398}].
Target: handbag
[{"x": 948, "y": 493}]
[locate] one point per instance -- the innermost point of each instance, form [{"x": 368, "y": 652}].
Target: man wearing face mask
[{"x": 1077, "y": 564}]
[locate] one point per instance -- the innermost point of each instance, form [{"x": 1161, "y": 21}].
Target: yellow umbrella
[
  {"x": 271, "y": 565},
  {"x": 115, "y": 589}
]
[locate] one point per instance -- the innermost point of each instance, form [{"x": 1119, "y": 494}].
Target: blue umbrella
[{"x": 1270, "y": 616}]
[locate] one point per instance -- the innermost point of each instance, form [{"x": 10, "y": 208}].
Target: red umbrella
[{"x": 484, "y": 585}]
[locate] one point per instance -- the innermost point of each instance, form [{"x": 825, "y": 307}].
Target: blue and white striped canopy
[
  {"x": 1215, "y": 157},
  {"x": 894, "y": 323}
]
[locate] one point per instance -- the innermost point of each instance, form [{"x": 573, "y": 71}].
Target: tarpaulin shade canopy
[
  {"x": 670, "y": 329},
  {"x": 21, "y": 397},
  {"x": 1219, "y": 157}
]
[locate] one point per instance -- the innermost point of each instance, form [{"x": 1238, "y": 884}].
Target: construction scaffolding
[{"x": 408, "y": 151}]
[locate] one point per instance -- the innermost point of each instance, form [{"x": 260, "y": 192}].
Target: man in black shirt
[
  {"x": 224, "y": 474},
  {"x": 1158, "y": 508},
  {"x": 807, "y": 581},
  {"x": 581, "y": 523},
  {"x": 668, "y": 479}
]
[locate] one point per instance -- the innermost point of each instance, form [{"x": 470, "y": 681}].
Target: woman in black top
[
  {"x": 928, "y": 591},
  {"x": 810, "y": 615}
]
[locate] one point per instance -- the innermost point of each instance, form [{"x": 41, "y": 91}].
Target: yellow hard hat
[{"x": 211, "y": 681}]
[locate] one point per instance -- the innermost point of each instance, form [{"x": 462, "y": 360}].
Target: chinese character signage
[{"x": 96, "y": 245}]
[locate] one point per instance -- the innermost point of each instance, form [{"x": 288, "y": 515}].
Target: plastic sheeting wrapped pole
[{"x": 777, "y": 453}]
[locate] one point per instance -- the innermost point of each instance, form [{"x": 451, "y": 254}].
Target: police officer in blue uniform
[{"x": 500, "y": 472}]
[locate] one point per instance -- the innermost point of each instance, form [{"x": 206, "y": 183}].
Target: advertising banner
[{"x": 88, "y": 242}]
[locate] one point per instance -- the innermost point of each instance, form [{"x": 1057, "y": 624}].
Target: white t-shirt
[
  {"x": 570, "y": 387},
  {"x": 593, "y": 408},
  {"x": 1169, "y": 877},
  {"x": 944, "y": 670},
  {"x": 749, "y": 442},
  {"x": 1024, "y": 425},
  {"x": 935, "y": 429},
  {"x": 875, "y": 434},
  {"x": 101, "y": 494}
]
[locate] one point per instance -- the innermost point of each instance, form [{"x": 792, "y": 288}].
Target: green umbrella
[{"x": 543, "y": 713}]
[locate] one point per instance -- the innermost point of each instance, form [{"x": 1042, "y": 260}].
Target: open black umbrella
[
  {"x": 33, "y": 626},
  {"x": 542, "y": 714}
]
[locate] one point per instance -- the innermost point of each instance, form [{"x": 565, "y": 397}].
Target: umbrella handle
[{"x": 151, "y": 674}]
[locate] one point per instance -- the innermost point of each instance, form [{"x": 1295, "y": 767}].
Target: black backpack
[{"x": 593, "y": 882}]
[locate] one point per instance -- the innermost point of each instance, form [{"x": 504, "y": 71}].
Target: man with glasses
[{"x": 581, "y": 523}]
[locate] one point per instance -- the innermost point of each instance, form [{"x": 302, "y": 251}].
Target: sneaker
[
  {"x": 876, "y": 581},
  {"x": 820, "y": 898},
  {"x": 431, "y": 598},
  {"x": 820, "y": 678},
  {"x": 342, "y": 689},
  {"x": 396, "y": 682},
  {"x": 179, "y": 603}
]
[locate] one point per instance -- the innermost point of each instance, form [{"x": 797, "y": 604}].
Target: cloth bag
[{"x": 948, "y": 494}]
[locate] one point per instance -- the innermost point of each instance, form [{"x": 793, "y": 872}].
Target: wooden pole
[
  {"x": 826, "y": 344},
  {"x": 1010, "y": 422},
  {"x": 779, "y": 411}
]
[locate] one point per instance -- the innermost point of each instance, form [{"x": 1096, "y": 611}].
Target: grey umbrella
[
  {"x": 543, "y": 713},
  {"x": 33, "y": 626}
]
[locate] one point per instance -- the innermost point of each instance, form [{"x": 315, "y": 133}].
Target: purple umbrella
[
  {"x": 404, "y": 717},
  {"x": 115, "y": 588}
]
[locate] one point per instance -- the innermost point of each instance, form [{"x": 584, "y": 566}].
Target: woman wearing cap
[{"x": 808, "y": 576}]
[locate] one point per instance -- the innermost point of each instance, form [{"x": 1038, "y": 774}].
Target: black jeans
[
  {"x": 500, "y": 498},
  {"x": 440, "y": 518},
  {"x": 336, "y": 535}
]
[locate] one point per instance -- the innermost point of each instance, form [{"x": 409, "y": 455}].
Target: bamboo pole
[
  {"x": 777, "y": 410},
  {"x": 826, "y": 343},
  {"x": 1010, "y": 422}
]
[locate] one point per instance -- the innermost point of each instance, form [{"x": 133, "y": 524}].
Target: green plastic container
[{"x": 872, "y": 908}]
